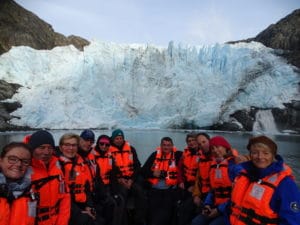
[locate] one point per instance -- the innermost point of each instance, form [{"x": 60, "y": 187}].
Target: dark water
[{"x": 145, "y": 141}]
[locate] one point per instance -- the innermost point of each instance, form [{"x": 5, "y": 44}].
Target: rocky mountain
[
  {"x": 284, "y": 35},
  {"x": 19, "y": 26}
]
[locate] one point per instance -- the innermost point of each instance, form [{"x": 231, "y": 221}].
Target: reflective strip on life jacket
[
  {"x": 251, "y": 200},
  {"x": 220, "y": 181},
  {"x": 105, "y": 164},
  {"x": 203, "y": 173},
  {"x": 45, "y": 213},
  {"x": 190, "y": 165},
  {"x": 167, "y": 164},
  {"x": 123, "y": 160}
]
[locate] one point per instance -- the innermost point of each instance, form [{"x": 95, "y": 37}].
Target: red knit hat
[
  {"x": 264, "y": 140},
  {"x": 219, "y": 141}
]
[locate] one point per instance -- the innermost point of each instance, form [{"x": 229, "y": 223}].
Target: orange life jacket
[
  {"x": 54, "y": 201},
  {"x": 104, "y": 162},
  {"x": 203, "y": 173},
  {"x": 220, "y": 182},
  {"x": 21, "y": 211},
  {"x": 251, "y": 200},
  {"x": 77, "y": 176},
  {"x": 91, "y": 162},
  {"x": 167, "y": 164},
  {"x": 123, "y": 159},
  {"x": 190, "y": 165}
]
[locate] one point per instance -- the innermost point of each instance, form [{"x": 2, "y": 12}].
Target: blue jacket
[{"x": 286, "y": 198}]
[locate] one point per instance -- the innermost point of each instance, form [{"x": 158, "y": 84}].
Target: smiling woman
[
  {"x": 264, "y": 192},
  {"x": 17, "y": 202}
]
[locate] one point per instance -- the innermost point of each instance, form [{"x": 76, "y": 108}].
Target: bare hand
[
  {"x": 214, "y": 213},
  {"x": 128, "y": 183},
  {"x": 206, "y": 210},
  {"x": 88, "y": 210},
  {"x": 181, "y": 185},
  {"x": 191, "y": 189},
  {"x": 156, "y": 173},
  {"x": 197, "y": 201}
]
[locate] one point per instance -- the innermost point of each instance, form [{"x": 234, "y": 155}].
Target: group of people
[{"x": 84, "y": 181}]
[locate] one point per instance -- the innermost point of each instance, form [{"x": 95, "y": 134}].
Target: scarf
[{"x": 14, "y": 189}]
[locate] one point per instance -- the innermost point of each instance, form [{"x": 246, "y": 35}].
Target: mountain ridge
[
  {"x": 19, "y": 26},
  {"x": 284, "y": 35}
]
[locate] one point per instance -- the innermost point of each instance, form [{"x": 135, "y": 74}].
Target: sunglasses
[{"x": 104, "y": 143}]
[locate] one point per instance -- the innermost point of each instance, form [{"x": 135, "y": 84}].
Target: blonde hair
[{"x": 68, "y": 136}]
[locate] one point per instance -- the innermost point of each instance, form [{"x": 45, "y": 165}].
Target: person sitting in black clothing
[{"x": 160, "y": 170}]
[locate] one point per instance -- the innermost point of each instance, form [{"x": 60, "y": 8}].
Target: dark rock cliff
[
  {"x": 18, "y": 26},
  {"x": 284, "y": 36}
]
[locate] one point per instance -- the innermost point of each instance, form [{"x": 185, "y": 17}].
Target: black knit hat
[{"x": 41, "y": 137}]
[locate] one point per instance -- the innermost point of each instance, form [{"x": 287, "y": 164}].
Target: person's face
[
  {"x": 218, "y": 151},
  {"x": 166, "y": 147},
  {"x": 192, "y": 143},
  {"x": 103, "y": 144},
  {"x": 119, "y": 141},
  {"x": 203, "y": 143},
  {"x": 43, "y": 152},
  {"x": 86, "y": 145},
  {"x": 15, "y": 163},
  {"x": 69, "y": 148},
  {"x": 261, "y": 156}
]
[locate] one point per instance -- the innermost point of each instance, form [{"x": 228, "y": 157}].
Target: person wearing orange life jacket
[
  {"x": 202, "y": 185},
  {"x": 26, "y": 138},
  {"x": 127, "y": 170},
  {"x": 17, "y": 200},
  {"x": 87, "y": 140},
  {"x": 160, "y": 170},
  {"x": 187, "y": 171},
  {"x": 79, "y": 181},
  {"x": 48, "y": 180},
  {"x": 220, "y": 182},
  {"x": 109, "y": 205},
  {"x": 264, "y": 190}
]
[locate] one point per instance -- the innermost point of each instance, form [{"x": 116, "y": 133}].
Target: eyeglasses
[
  {"x": 105, "y": 144},
  {"x": 68, "y": 145},
  {"x": 14, "y": 160}
]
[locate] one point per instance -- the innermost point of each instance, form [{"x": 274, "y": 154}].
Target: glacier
[{"x": 144, "y": 86}]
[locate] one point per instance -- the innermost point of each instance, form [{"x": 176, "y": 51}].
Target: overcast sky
[{"x": 158, "y": 22}]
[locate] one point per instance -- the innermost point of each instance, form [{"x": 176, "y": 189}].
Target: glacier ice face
[{"x": 144, "y": 86}]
